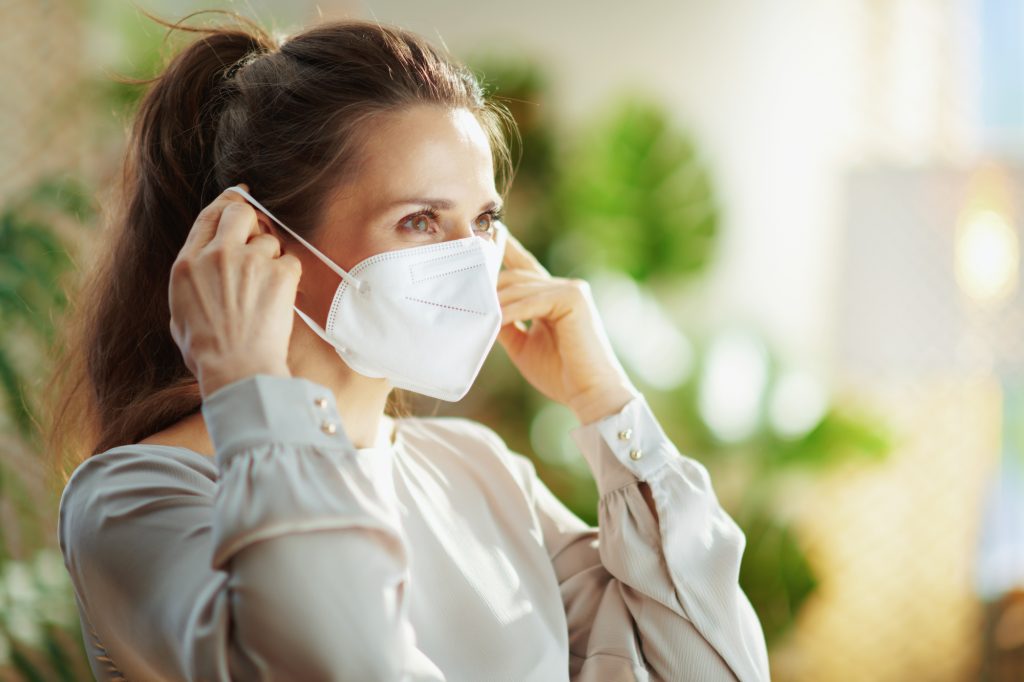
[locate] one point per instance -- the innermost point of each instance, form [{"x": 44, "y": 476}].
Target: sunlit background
[{"x": 801, "y": 221}]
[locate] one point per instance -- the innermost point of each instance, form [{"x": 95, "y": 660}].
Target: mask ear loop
[
  {"x": 360, "y": 285},
  {"x": 500, "y": 239}
]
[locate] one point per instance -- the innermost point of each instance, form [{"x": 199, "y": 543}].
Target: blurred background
[{"x": 801, "y": 221}]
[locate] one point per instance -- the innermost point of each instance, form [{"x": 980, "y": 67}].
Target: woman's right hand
[{"x": 231, "y": 294}]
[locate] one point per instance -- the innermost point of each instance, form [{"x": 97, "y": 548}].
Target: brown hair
[{"x": 234, "y": 105}]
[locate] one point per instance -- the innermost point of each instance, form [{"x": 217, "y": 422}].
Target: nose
[{"x": 461, "y": 231}]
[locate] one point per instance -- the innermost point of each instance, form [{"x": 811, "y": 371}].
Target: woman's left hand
[{"x": 565, "y": 353}]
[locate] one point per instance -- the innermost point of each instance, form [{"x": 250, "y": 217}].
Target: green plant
[
  {"x": 33, "y": 259},
  {"x": 38, "y": 624},
  {"x": 635, "y": 196},
  {"x": 39, "y": 628}
]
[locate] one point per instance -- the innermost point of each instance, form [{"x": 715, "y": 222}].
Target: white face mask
[{"x": 423, "y": 317}]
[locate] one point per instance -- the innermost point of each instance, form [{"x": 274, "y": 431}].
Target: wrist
[
  {"x": 599, "y": 402},
  {"x": 216, "y": 376}
]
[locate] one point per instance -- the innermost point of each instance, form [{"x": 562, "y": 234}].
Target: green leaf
[
  {"x": 775, "y": 574},
  {"x": 840, "y": 436},
  {"x": 12, "y": 389},
  {"x": 639, "y": 195}
]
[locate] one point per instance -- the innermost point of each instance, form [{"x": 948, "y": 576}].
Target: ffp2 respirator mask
[{"x": 423, "y": 317}]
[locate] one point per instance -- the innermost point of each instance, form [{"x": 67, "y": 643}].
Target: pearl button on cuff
[
  {"x": 625, "y": 434},
  {"x": 636, "y": 454},
  {"x": 272, "y": 408}
]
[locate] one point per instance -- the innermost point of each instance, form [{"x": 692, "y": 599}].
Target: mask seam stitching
[
  {"x": 441, "y": 274},
  {"x": 390, "y": 255},
  {"x": 442, "y": 305}
]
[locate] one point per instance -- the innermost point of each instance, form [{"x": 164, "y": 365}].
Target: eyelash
[{"x": 495, "y": 213}]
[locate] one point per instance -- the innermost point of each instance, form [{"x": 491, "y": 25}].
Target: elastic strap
[
  {"x": 320, "y": 331},
  {"x": 358, "y": 284}
]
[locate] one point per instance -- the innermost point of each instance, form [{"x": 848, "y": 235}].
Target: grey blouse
[{"x": 292, "y": 555}]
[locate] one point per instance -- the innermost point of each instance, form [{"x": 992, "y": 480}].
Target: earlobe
[{"x": 267, "y": 226}]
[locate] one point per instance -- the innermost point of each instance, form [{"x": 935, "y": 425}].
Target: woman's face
[{"x": 426, "y": 177}]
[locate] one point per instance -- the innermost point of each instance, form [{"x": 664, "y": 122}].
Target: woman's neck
[{"x": 360, "y": 399}]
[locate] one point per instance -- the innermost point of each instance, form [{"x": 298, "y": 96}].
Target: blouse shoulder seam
[
  {"x": 149, "y": 449},
  {"x": 130, "y": 451}
]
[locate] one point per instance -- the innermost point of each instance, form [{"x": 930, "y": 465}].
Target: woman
[{"x": 251, "y": 512}]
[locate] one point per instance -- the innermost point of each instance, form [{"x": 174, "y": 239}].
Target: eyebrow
[{"x": 442, "y": 204}]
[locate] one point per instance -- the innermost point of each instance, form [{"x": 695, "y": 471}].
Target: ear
[{"x": 266, "y": 224}]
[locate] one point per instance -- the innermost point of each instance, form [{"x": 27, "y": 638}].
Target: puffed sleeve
[
  {"x": 291, "y": 565},
  {"x": 649, "y": 597}
]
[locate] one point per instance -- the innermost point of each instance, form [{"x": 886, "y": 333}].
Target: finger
[
  {"x": 265, "y": 243},
  {"x": 516, "y": 256},
  {"x": 205, "y": 226},
  {"x": 513, "y": 337},
  {"x": 515, "y": 292},
  {"x": 519, "y": 275},
  {"x": 539, "y": 306},
  {"x": 238, "y": 222},
  {"x": 291, "y": 264}
]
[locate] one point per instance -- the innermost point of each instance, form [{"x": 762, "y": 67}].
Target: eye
[
  {"x": 485, "y": 222},
  {"x": 420, "y": 222}
]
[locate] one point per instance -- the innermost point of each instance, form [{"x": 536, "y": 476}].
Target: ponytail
[{"x": 123, "y": 376}]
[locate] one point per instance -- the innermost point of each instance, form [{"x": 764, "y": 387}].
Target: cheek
[
  {"x": 316, "y": 286},
  {"x": 368, "y": 245},
  {"x": 319, "y": 282},
  {"x": 348, "y": 249}
]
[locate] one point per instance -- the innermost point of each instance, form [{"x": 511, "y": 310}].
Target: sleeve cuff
[
  {"x": 625, "y": 447},
  {"x": 265, "y": 408}
]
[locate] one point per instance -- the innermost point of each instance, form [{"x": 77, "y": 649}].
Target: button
[
  {"x": 636, "y": 454},
  {"x": 328, "y": 427},
  {"x": 321, "y": 402},
  {"x": 625, "y": 434}
]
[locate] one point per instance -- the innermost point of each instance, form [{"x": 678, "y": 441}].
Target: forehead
[{"x": 426, "y": 150}]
